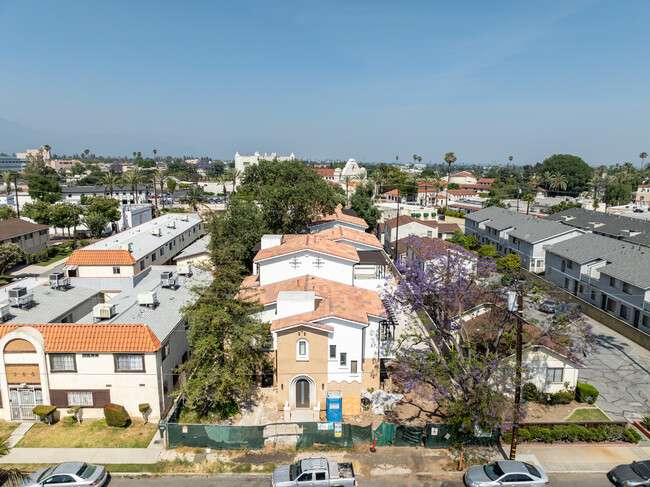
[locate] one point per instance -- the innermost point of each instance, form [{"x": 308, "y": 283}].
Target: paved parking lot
[{"x": 619, "y": 369}]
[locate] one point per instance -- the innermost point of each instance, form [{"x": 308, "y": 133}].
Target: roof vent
[
  {"x": 184, "y": 268},
  {"x": 5, "y": 311},
  {"x": 168, "y": 279},
  {"x": 58, "y": 281},
  {"x": 103, "y": 311},
  {"x": 18, "y": 297},
  {"x": 156, "y": 232},
  {"x": 127, "y": 246},
  {"x": 628, "y": 233},
  {"x": 184, "y": 218},
  {"x": 149, "y": 299},
  {"x": 594, "y": 224},
  {"x": 171, "y": 224}
]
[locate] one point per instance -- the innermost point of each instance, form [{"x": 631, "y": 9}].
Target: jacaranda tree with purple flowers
[{"x": 458, "y": 350}]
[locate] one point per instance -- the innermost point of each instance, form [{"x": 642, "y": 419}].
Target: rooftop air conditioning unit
[
  {"x": 18, "y": 297},
  {"x": 184, "y": 268},
  {"x": 167, "y": 279},
  {"x": 148, "y": 299},
  {"x": 59, "y": 281},
  {"x": 5, "y": 311},
  {"x": 156, "y": 231},
  {"x": 103, "y": 311},
  {"x": 171, "y": 224},
  {"x": 184, "y": 218},
  {"x": 126, "y": 246}
]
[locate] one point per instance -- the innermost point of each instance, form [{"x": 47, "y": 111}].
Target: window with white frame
[
  {"x": 302, "y": 349},
  {"x": 80, "y": 398},
  {"x": 63, "y": 362},
  {"x": 129, "y": 363},
  {"x": 554, "y": 374}
]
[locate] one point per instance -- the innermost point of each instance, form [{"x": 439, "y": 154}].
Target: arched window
[{"x": 302, "y": 349}]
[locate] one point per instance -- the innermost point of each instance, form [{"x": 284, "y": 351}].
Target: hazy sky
[{"x": 328, "y": 78}]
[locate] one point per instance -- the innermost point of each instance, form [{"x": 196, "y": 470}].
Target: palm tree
[
  {"x": 109, "y": 179},
  {"x": 10, "y": 477},
  {"x": 643, "y": 155},
  {"x": 86, "y": 152},
  {"x": 558, "y": 182},
  {"x": 133, "y": 177},
  {"x": 134, "y": 154},
  {"x": 8, "y": 178},
  {"x": 396, "y": 158},
  {"x": 154, "y": 153},
  {"x": 193, "y": 196},
  {"x": 428, "y": 182},
  {"x": 528, "y": 198},
  {"x": 450, "y": 158},
  {"x": 510, "y": 158},
  {"x": 347, "y": 180},
  {"x": 171, "y": 186},
  {"x": 546, "y": 179},
  {"x": 222, "y": 180},
  {"x": 233, "y": 175}
]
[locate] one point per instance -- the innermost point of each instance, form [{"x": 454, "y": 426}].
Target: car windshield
[
  {"x": 532, "y": 470},
  {"x": 294, "y": 471},
  {"x": 47, "y": 473},
  {"x": 493, "y": 470},
  {"x": 641, "y": 469},
  {"x": 86, "y": 471}
]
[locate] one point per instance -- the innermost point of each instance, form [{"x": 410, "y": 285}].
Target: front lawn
[
  {"x": 89, "y": 434},
  {"x": 591, "y": 414},
  {"x": 6, "y": 428},
  {"x": 56, "y": 258}
]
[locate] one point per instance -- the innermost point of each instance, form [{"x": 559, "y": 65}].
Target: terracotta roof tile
[
  {"x": 100, "y": 257},
  {"x": 345, "y": 233},
  {"x": 338, "y": 215},
  {"x": 405, "y": 219},
  {"x": 296, "y": 243},
  {"x": 276, "y": 326},
  {"x": 93, "y": 337},
  {"x": 461, "y": 192}
]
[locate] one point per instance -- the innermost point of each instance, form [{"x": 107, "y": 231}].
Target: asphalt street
[{"x": 573, "y": 480}]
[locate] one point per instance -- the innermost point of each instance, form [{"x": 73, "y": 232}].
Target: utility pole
[
  {"x": 74, "y": 234},
  {"x": 518, "y": 194},
  {"x": 16, "y": 192},
  {"x": 397, "y": 226},
  {"x": 517, "y": 309}
]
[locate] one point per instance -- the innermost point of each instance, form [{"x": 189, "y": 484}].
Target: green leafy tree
[
  {"x": 468, "y": 242},
  {"x": 106, "y": 206},
  {"x": 361, "y": 203},
  {"x": 36, "y": 164},
  {"x": 224, "y": 334},
  {"x": 564, "y": 205},
  {"x": 77, "y": 169},
  {"x": 643, "y": 156},
  {"x": 171, "y": 186},
  {"x": 453, "y": 186},
  {"x": 96, "y": 223},
  {"x": 618, "y": 194},
  {"x": 62, "y": 215},
  {"x": 488, "y": 251},
  {"x": 509, "y": 264},
  {"x": 291, "y": 194},
  {"x": 244, "y": 224},
  {"x": 7, "y": 212},
  {"x": 39, "y": 211},
  {"x": 43, "y": 188},
  {"x": 494, "y": 201},
  {"x": 576, "y": 171},
  {"x": 10, "y": 255}
]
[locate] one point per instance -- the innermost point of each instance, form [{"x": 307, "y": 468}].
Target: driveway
[{"x": 619, "y": 369}]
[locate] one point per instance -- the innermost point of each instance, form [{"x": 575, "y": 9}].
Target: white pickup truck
[{"x": 314, "y": 472}]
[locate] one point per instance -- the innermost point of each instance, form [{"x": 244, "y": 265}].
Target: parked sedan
[
  {"x": 635, "y": 475},
  {"x": 548, "y": 306},
  {"x": 73, "y": 474},
  {"x": 506, "y": 473}
]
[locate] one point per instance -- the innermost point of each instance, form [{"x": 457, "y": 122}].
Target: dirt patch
[
  {"x": 540, "y": 413},
  {"x": 278, "y": 457}
]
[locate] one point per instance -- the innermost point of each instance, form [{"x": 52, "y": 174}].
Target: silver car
[
  {"x": 68, "y": 474},
  {"x": 506, "y": 473}
]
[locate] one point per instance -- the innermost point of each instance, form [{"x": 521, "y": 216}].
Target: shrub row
[
  {"x": 573, "y": 432},
  {"x": 584, "y": 393}
]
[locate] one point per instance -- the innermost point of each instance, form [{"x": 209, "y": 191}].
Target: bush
[
  {"x": 83, "y": 243},
  {"x": 561, "y": 398},
  {"x": 586, "y": 393},
  {"x": 575, "y": 433},
  {"x": 33, "y": 258},
  {"x": 43, "y": 411},
  {"x": 116, "y": 415},
  {"x": 646, "y": 422},
  {"x": 530, "y": 392}
]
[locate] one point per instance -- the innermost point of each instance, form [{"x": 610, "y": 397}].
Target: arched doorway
[{"x": 302, "y": 393}]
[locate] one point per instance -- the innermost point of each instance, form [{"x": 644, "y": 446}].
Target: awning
[
  {"x": 371, "y": 257},
  {"x": 70, "y": 267}
]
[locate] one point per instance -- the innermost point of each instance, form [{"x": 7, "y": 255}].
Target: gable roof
[
  {"x": 405, "y": 219},
  {"x": 462, "y": 192},
  {"x": 93, "y": 337},
  {"x": 296, "y": 243},
  {"x": 345, "y": 233},
  {"x": 587, "y": 247},
  {"x": 338, "y": 215},
  {"x": 462, "y": 174},
  {"x": 17, "y": 226},
  {"x": 100, "y": 257}
]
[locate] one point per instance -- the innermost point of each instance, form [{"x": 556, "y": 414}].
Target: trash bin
[
  {"x": 162, "y": 426},
  {"x": 335, "y": 406}
]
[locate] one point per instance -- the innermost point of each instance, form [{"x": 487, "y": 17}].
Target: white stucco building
[{"x": 242, "y": 162}]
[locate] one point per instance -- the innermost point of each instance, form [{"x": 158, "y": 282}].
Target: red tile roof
[
  {"x": 462, "y": 174},
  {"x": 462, "y": 192},
  {"x": 93, "y": 337},
  {"x": 405, "y": 219},
  {"x": 345, "y": 233},
  {"x": 325, "y": 173},
  {"x": 447, "y": 228},
  {"x": 310, "y": 325},
  {"x": 486, "y": 180},
  {"x": 100, "y": 257},
  {"x": 338, "y": 215},
  {"x": 17, "y": 226},
  {"x": 296, "y": 243}
]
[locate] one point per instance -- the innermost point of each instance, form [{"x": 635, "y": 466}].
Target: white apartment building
[{"x": 242, "y": 162}]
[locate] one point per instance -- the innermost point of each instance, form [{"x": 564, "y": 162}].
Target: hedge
[
  {"x": 586, "y": 393},
  {"x": 561, "y": 398},
  {"x": 43, "y": 411},
  {"x": 116, "y": 415},
  {"x": 573, "y": 432}
]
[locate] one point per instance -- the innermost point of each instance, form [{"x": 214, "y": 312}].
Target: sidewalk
[
  {"x": 568, "y": 458},
  {"x": 92, "y": 455},
  {"x": 36, "y": 270}
]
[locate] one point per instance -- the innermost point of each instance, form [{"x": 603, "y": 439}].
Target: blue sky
[{"x": 328, "y": 79}]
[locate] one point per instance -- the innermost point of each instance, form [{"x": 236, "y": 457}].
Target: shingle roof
[
  {"x": 447, "y": 227},
  {"x": 629, "y": 265},
  {"x": 17, "y": 226},
  {"x": 296, "y": 243},
  {"x": 336, "y": 299},
  {"x": 93, "y": 338},
  {"x": 100, "y": 257},
  {"x": 587, "y": 247},
  {"x": 345, "y": 233},
  {"x": 338, "y": 215}
]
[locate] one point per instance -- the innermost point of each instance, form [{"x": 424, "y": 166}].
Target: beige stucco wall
[{"x": 105, "y": 271}]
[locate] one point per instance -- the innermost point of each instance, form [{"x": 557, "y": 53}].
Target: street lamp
[{"x": 515, "y": 306}]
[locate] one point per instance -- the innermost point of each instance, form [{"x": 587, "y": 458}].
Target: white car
[{"x": 506, "y": 473}]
